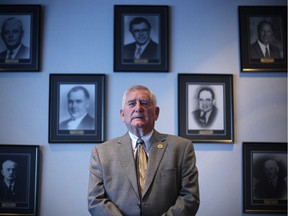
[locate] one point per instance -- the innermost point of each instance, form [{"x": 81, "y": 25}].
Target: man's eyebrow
[{"x": 132, "y": 100}]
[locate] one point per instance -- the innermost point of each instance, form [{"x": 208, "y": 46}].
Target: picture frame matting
[
  {"x": 209, "y": 94},
  {"x": 77, "y": 108}
]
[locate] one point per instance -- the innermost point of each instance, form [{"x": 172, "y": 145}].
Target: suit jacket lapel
[
  {"x": 156, "y": 153},
  {"x": 126, "y": 157}
]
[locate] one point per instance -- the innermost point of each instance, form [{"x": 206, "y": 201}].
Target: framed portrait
[
  {"x": 19, "y": 180},
  {"x": 141, "y": 38},
  {"x": 205, "y": 108},
  {"x": 265, "y": 177},
  {"x": 77, "y": 108},
  {"x": 22, "y": 24},
  {"x": 263, "y": 38}
]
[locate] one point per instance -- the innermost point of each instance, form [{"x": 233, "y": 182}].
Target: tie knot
[{"x": 139, "y": 142}]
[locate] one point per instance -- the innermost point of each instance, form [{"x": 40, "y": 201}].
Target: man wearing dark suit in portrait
[
  {"x": 262, "y": 48},
  {"x": 272, "y": 185},
  {"x": 78, "y": 105},
  {"x": 12, "y": 33},
  {"x": 143, "y": 47},
  {"x": 143, "y": 172},
  {"x": 11, "y": 189},
  {"x": 207, "y": 111}
]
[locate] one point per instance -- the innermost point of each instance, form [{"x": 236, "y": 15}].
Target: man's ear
[
  {"x": 122, "y": 114},
  {"x": 157, "y": 111}
]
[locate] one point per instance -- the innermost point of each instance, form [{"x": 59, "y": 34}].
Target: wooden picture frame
[
  {"x": 19, "y": 168},
  {"x": 261, "y": 25},
  {"x": 209, "y": 94},
  {"x": 23, "y": 23},
  {"x": 265, "y": 177},
  {"x": 77, "y": 108},
  {"x": 144, "y": 25}
]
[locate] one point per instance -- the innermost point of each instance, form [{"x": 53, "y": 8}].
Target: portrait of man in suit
[
  {"x": 265, "y": 45},
  {"x": 143, "y": 49},
  {"x": 206, "y": 112},
  {"x": 12, "y": 188},
  {"x": 78, "y": 104},
  {"x": 270, "y": 179},
  {"x": 12, "y": 33}
]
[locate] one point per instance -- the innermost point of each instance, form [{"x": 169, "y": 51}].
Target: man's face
[
  {"x": 265, "y": 34},
  {"x": 270, "y": 170},
  {"x": 139, "y": 111},
  {"x": 205, "y": 101},
  {"x": 12, "y": 34},
  {"x": 78, "y": 104},
  {"x": 141, "y": 33},
  {"x": 9, "y": 170}
]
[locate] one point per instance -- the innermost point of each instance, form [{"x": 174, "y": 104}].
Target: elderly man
[
  {"x": 11, "y": 189},
  {"x": 143, "y": 172},
  {"x": 12, "y": 34}
]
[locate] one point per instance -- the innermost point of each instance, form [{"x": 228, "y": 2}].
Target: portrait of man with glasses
[{"x": 143, "y": 49}]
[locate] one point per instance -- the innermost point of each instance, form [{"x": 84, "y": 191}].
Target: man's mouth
[{"x": 138, "y": 117}]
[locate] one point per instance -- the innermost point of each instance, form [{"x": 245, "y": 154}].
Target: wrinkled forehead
[{"x": 137, "y": 94}]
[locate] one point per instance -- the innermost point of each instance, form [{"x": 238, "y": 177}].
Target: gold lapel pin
[{"x": 160, "y": 146}]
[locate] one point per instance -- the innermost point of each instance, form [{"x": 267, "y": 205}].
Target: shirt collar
[
  {"x": 15, "y": 51},
  {"x": 263, "y": 47},
  {"x": 143, "y": 46},
  {"x": 145, "y": 138}
]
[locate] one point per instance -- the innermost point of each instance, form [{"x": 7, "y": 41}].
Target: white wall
[{"x": 78, "y": 38}]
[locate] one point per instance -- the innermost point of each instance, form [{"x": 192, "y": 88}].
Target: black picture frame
[
  {"x": 91, "y": 127},
  {"x": 262, "y": 162},
  {"x": 26, "y": 57},
  {"x": 23, "y": 200},
  {"x": 252, "y": 58},
  {"x": 155, "y": 56},
  {"x": 218, "y": 126}
]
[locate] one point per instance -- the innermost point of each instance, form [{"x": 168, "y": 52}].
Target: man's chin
[{"x": 138, "y": 122}]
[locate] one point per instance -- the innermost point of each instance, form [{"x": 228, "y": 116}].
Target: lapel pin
[{"x": 160, "y": 146}]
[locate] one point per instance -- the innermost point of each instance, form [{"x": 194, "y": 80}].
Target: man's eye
[
  {"x": 131, "y": 104},
  {"x": 145, "y": 103}
]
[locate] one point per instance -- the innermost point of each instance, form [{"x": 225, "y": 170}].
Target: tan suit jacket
[{"x": 171, "y": 186}]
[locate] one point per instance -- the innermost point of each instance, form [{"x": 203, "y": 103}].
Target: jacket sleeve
[
  {"x": 98, "y": 202},
  {"x": 188, "y": 200}
]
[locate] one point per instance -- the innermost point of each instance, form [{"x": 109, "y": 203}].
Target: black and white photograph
[
  {"x": 19, "y": 41},
  {"x": 269, "y": 176},
  {"x": 141, "y": 38},
  {"x": 265, "y": 173},
  {"x": 206, "y": 104},
  {"x": 77, "y": 108},
  {"x": 19, "y": 179},
  {"x": 263, "y": 32},
  {"x": 206, "y": 107},
  {"x": 266, "y": 38},
  {"x": 15, "y": 38}
]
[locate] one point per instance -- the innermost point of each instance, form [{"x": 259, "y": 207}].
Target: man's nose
[{"x": 138, "y": 106}]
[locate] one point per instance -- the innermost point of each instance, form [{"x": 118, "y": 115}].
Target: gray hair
[{"x": 139, "y": 87}]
